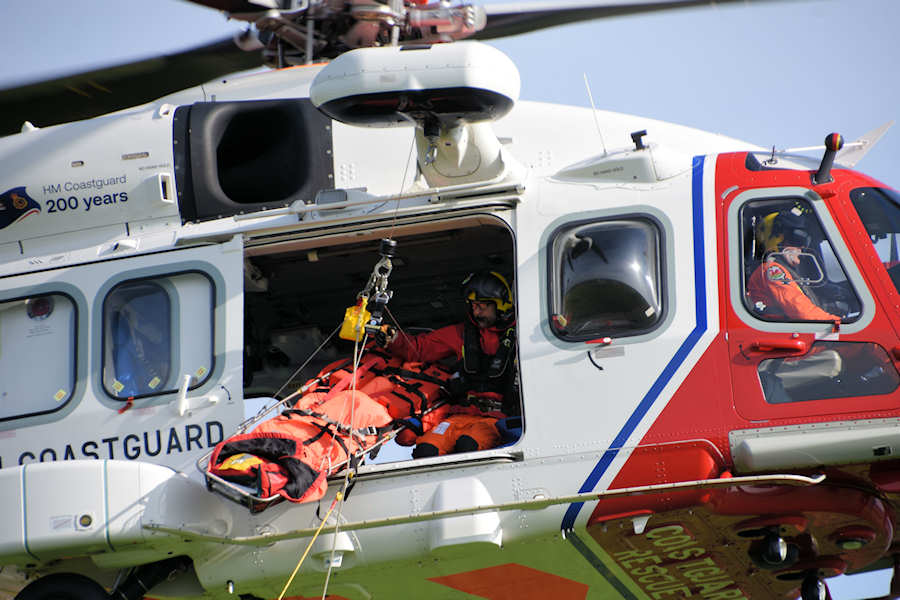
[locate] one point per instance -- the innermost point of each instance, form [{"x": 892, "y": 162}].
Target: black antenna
[
  {"x": 833, "y": 143},
  {"x": 636, "y": 137}
]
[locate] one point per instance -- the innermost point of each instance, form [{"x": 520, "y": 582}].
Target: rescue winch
[{"x": 359, "y": 320}]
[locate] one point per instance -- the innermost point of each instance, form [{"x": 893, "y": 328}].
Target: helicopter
[{"x": 652, "y": 500}]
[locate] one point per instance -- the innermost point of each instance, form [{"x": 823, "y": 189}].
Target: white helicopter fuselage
[{"x": 94, "y": 478}]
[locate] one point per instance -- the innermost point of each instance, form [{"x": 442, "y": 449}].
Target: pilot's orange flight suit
[{"x": 774, "y": 286}]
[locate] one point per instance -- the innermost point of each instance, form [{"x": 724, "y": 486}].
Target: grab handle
[{"x": 779, "y": 345}]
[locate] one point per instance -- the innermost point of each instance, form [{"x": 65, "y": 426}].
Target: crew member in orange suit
[
  {"x": 773, "y": 285},
  {"x": 487, "y": 387}
]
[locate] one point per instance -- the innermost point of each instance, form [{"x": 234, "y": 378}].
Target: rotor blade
[
  {"x": 105, "y": 90},
  {"x": 241, "y": 6},
  {"x": 851, "y": 154},
  {"x": 523, "y": 17}
]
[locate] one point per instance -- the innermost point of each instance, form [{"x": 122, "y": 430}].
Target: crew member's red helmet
[{"x": 490, "y": 286}]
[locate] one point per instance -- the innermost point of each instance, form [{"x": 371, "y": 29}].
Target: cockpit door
[{"x": 805, "y": 336}]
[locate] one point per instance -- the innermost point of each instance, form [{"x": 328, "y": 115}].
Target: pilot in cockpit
[{"x": 775, "y": 288}]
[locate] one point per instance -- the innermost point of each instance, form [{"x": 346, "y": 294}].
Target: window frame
[
  {"x": 774, "y": 367},
  {"x": 892, "y": 196},
  {"x": 823, "y": 268},
  {"x": 736, "y": 279},
  {"x": 662, "y": 273},
  {"x": 76, "y": 317},
  {"x": 174, "y": 316}
]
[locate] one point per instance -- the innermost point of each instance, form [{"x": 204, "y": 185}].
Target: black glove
[{"x": 385, "y": 335}]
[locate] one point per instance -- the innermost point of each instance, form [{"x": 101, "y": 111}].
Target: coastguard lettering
[
  {"x": 676, "y": 566},
  {"x": 134, "y": 446},
  {"x": 95, "y": 183}
]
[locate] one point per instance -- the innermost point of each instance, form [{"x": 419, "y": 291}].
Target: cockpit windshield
[{"x": 879, "y": 210}]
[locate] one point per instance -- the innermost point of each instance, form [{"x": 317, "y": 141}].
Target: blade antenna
[
  {"x": 594, "y": 111},
  {"x": 397, "y": 9},
  {"x": 310, "y": 31},
  {"x": 280, "y": 46}
]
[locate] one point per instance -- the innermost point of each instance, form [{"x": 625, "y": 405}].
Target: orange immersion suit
[
  {"x": 472, "y": 426},
  {"x": 773, "y": 285}
]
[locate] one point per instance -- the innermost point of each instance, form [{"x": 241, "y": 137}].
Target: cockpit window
[
  {"x": 605, "y": 279},
  {"x": 789, "y": 268},
  {"x": 879, "y": 210},
  {"x": 156, "y": 332},
  {"x": 829, "y": 370}
]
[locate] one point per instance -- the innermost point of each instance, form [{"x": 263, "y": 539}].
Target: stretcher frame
[{"x": 256, "y": 504}]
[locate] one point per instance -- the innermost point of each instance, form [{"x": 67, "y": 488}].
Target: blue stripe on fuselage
[{"x": 676, "y": 361}]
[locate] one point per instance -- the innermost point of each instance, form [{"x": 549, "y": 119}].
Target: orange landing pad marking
[{"x": 514, "y": 582}]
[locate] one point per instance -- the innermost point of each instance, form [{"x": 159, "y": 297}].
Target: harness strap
[
  {"x": 323, "y": 429},
  {"x": 407, "y": 399},
  {"x": 413, "y": 388},
  {"x": 407, "y": 374},
  {"x": 483, "y": 366},
  {"x": 340, "y": 427}
]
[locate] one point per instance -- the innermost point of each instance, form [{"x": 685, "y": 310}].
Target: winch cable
[
  {"x": 400, "y": 330},
  {"x": 338, "y": 501},
  {"x": 337, "y": 498},
  {"x": 377, "y": 288},
  {"x": 409, "y": 158},
  {"x": 349, "y": 472},
  {"x": 326, "y": 462}
]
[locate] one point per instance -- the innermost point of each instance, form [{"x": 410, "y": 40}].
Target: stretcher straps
[
  {"x": 323, "y": 429},
  {"x": 410, "y": 401},
  {"x": 340, "y": 427},
  {"x": 420, "y": 375},
  {"x": 412, "y": 388}
]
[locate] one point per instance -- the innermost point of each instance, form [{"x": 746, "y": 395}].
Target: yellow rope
[{"x": 337, "y": 499}]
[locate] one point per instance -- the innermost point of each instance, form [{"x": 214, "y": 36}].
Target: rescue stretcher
[{"x": 328, "y": 425}]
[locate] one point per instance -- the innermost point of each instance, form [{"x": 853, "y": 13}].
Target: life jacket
[
  {"x": 410, "y": 391},
  {"x": 490, "y": 378},
  {"x": 809, "y": 290},
  {"x": 331, "y": 425}
]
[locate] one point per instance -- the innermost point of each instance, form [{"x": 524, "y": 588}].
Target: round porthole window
[{"x": 39, "y": 308}]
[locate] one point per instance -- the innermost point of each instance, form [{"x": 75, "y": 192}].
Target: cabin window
[
  {"x": 605, "y": 279},
  {"x": 790, "y": 270},
  {"x": 37, "y": 354},
  {"x": 829, "y": 370},
  {"x": 879, "y": 210},
  {"x": 155, "y": 333}
]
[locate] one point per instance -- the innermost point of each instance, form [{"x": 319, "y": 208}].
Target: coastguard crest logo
[{"x": 15, "y": 206}]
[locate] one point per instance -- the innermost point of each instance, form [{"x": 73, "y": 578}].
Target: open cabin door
[{"x": 137, "y": 358}]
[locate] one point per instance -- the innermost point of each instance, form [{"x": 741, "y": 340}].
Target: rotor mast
[{"x": 312, "y": 30}]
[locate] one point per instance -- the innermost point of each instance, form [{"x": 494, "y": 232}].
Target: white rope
[{"x": 357, "y": 357}]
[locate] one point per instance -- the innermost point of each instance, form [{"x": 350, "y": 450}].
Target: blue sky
[{"x": 779, "y": 73}]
